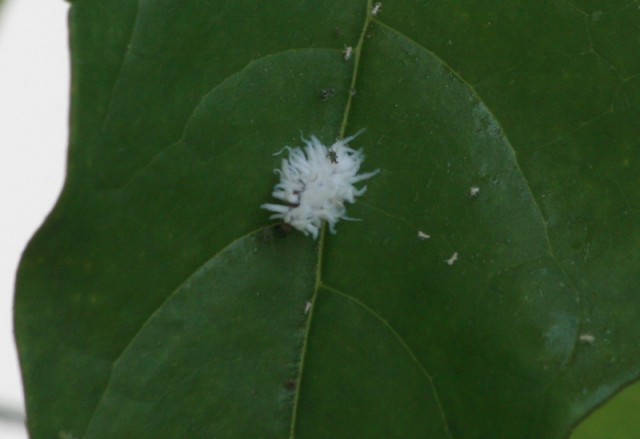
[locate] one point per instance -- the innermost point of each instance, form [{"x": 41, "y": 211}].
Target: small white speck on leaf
[
  {"x": 423, "y": 235},
  {"x": 474, "y": 191},
  {"x": 452, "y": 260},
  {"x": 307, "y": 307},
  {"x": 376, "y": 9},
  {"x": 347, "y": 52},
  {"x": 587, "y": 338}
]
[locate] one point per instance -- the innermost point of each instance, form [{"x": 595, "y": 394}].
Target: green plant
[{"x": 159, "y": 301}]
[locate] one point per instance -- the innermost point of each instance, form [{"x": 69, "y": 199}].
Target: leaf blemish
[
  {"x": 326, "y": 93},
  {"x": 291, "y": 385}
]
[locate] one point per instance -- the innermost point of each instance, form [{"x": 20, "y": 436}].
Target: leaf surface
[{"x": 158, "y": 301}]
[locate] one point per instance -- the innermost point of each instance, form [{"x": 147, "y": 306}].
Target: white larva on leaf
[
  {"x": 376, "y": 9},
  {"x": 316, "y": 182},
  {"x": 474, "y": 191},
  {"x": 347, "y": 52}
]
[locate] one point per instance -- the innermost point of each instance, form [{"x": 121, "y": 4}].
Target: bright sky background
[{"x": 34, "y": 95}]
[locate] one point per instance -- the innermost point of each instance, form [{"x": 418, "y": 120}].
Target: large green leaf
[{"x": 159, "y": 301}]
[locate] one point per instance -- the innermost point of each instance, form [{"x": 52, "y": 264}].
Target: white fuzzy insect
[
  {"x": 474, "y": 191},
  {"x": 316, "y": 182},
  {"x": 347, "y": 52},
  {"x": 376, "y": 9}
]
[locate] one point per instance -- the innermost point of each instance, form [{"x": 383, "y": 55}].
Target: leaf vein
[
  {"x": 389, "y": 214},
  {"x": 343, "y": 127},
  {"x": 204, "y": 96},
  {"x": 305, "y": 340},
  {"x": 119, "y": 357},
  {"x": 107, "y": 113},
  {"x": 405, "y": 346},
  {"x": 516, "y": 163}
]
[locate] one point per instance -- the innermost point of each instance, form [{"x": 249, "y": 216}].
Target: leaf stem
[
  {"x": 303, "y": 355},
  {"x": 323, "y": 231},
  {"x": 356, "y": 66}
]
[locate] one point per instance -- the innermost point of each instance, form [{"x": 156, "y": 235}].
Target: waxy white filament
[{"x": 315, "y": 182}]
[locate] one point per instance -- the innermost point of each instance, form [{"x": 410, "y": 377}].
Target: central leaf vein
[{"x": 318, "y": 283}]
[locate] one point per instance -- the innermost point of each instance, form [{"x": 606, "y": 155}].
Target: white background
[{"x": 34, "y": 95}]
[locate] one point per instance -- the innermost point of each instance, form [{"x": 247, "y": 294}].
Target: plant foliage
[{"x": 158, "y": 301}]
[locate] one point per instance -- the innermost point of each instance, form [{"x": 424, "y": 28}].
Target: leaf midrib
[{"x": 318, "y": 283}]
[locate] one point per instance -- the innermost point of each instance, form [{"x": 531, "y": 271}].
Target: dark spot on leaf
[
  {"x": 291, "y": 385},
  {"x": 326, "y": 93},
  {"x": 283, "y": 229}
]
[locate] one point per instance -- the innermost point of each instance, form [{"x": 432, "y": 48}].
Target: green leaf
[
  {"x": 233, "y": 330},
  {"x": 617, "y": 419},
  {"x": 159, "y": 301}
]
